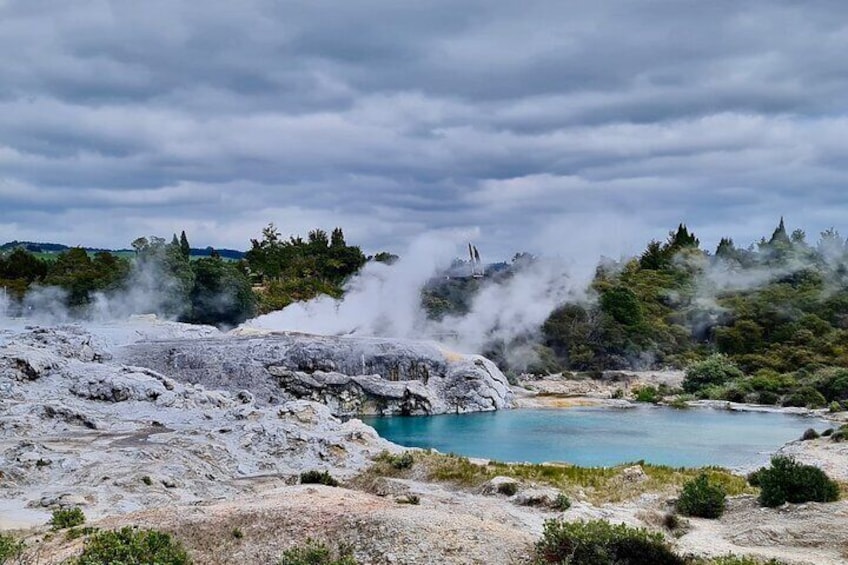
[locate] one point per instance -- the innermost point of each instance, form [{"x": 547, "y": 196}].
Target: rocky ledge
[
  {"x": 350, "y": 375},
  {"x": 79, "y": 428}
]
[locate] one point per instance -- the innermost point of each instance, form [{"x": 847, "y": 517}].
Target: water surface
[{"x": 601, "y": 436}]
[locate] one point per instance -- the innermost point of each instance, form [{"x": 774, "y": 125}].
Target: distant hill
[{"x": 55, "y": 248}]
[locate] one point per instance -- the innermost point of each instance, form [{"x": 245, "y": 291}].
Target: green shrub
[
  {"x": 398, "y": 461},
  {"x": 805, "y": 397},
  {"x": 768, "y": 397},
  {"x": 715, "y": 370},
  {"x": 735, "y": 394},
  {"x": 67, "y": 518},
  {"x": 840, "y": 435},
  {"x": 508, "y": 489},
  {"x": 647, "y": 394},
  {"x": 754, "y": 477},
  {"x": 833, "y": 383},
  {"x": 316, "y": 553},
  {"x": 835, "y": 407},
  {"x": 10, "y": 548},
  {"x": 810, "y": 434},
  {"x": 318, "y": 478},
  {"x": 601, "y": 543},
  {"x": 789, "y": 481},
  {"x": 768, "y": 380},
  {"x": 561, "y": 502},
  {"x": 76, "y": 533},
  {"x": 237, "y": 533},
  {"x": 131, "y": 546},
  {"x": 679, "y": 403},
  {"x": 701, "y": 498}
]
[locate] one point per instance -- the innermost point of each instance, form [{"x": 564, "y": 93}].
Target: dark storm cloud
[{"x": 539, "y": 124}]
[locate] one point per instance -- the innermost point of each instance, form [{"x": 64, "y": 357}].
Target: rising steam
[{"x": 385, "y": 301}]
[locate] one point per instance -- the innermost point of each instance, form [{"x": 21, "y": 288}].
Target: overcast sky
[{"x": 572, "y": 127}]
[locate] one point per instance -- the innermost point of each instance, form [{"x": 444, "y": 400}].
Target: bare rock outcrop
[
  {"x": 350, "y": 375},
  {"x": 124, "y": 437}
]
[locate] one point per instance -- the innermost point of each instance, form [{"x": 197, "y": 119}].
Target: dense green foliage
[
  {"x": 702, "y": 498},
  {"x": 131, "y": 546},
  {"x": 288, "y": 270},
  {"x": 601, "y": 543},
  {"x": 315, "y": 477},
  {"x": 765, "y": 324},
  {"x": 67, "y": 518},
  {"x": 786, "y": 480},
  {"x": 10, "y": 548},
  {"x": 316, "y": 553},
  {"x": 715, "y": 370}
]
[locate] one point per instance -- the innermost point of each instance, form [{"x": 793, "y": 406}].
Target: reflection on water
[{"x": 593, "y": 436}]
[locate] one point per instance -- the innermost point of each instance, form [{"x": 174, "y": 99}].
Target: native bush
[
  {"x": 789, "y": 481},
  {"x": 67, "y": 518},
  {"x": 10, "y": 548},
  {"x": 715, "y": 370},
  {"x": 561, "y": 502},
  {"x": 132, "y": 546},
  {"x": 805, "y": 397},
  {"x": 318, "y": 478},
  {"x": 507, "y": 489},
  {"x": 600, "y": 543},
  {"x": 316, "y": 553},
  {"x": 399, "y": 461},
  {"x": 810, "y": 434},
  {"x": 702, "y": 498}
]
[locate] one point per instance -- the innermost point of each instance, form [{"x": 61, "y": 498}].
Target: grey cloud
[{"x": 517, "y": 120}]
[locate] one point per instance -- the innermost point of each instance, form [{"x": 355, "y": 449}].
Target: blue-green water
[{"x": 604, "y": 436}]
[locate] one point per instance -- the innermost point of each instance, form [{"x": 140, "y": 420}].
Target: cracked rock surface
[{"x": 350, "y": 375}]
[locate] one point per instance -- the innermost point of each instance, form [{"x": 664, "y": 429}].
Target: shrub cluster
[
  {"x": 840, "y": 435},
  {"x": 789, "y": 481},
  {"x": 132, "y": 546},
  {"x": 67, "y": 518},
  {"x": 715, "y": 370},
  {"x": 316, "y": 553},
  {"x": 508, "y": 489},
  {"x": 701, "y": 498},
  {"x": 398, "y": 461},
  {"x": 601, "y": 543},
  {"x": 10, "y": 548},
  {"x": 805, "y": 397},
  {"x": 810, "y": 434},
  {"x": 561, "y": 502},
  {"x": 318, "y": 478}
]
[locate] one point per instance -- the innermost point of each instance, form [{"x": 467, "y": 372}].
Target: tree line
[{"x": 208, "y": 290}]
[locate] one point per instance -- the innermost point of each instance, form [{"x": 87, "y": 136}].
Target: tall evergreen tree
[{"x": 185, "y": 248}]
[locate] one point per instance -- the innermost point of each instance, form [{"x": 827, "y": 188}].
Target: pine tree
[
  {"x": 780, "y": 235},
  {"x": 726, "y": 249},
  {"x": 185, "y": 248}
]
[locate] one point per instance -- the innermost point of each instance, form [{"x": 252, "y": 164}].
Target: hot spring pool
[{"x": 602, "y": 436}]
